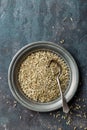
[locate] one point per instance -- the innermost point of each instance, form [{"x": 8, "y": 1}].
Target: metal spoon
[{"x": 64, "y": 102}]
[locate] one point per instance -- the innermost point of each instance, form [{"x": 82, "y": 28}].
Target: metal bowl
[{"x": 13, "y": 82}]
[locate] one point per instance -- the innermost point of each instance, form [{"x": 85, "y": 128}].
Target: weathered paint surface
[{"x": 25, "y": 21}]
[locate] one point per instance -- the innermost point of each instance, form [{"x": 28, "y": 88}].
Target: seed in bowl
[{"x": 38, "y": 81}]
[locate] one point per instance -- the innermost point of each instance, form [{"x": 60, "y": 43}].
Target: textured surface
[{"x": 25, "y": 21}]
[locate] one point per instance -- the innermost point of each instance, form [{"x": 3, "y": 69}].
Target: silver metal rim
[{"x": 45, "y": 107}]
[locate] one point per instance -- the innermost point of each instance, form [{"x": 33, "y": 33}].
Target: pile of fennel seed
[{"x": 38, "y": 81}]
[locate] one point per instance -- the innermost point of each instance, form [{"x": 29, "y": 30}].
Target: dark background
[{"x": 26, "y": 21}]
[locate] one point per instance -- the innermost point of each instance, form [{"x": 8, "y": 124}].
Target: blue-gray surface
[{"x": 25, "y": 21}]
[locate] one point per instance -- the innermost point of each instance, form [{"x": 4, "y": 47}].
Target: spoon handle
[
  {"x": 64, "y": 102},
  {"x": 65, "y": 105}
]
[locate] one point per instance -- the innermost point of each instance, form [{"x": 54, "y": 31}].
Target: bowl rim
[{"x": 58, "y": 104}]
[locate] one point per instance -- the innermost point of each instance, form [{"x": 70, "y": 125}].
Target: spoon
[{"x": 64, "y": 102}]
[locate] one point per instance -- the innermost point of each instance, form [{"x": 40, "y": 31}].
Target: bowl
[{"x": 13, "y": 71}]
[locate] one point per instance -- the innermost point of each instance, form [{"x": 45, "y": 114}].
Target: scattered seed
[
  {"x": 64, "y": 19},
  {"x": 20, "y": 117},
  {"x": 54, "y": 115},
  {"x": 83, "y": 100},
  {"x": 59, "y": 128},
  {"x": 63, "y": 117},
  {"x": 77, "y": 107},
  {"x": 71, "y": 19},
  {"x": 79, "y": 99},
  {"x": 84, "y": 115},
  {"x": 84, "y": 105},
  {"x": 3, "y": 97},
  {"x": 75, "y": 128},
  {"x": 71, "y": 113},
  {"x": 52, "y": 27},
  {"x": 15, "y": 102},
  {"x": 59, "y": 120},
  {"x": 7, "y": 102},
  {"x": 57, "y": 115},
  {"x": 31, "y": 115},
  {"x": 78, "y": 115},
  {"x": 50, "y": 113},
  {"x": 14, "y": 105},
  {"x": 62, "y": 41},
  {"x": 68, "y": 122},
  {"x": 81, "y": 126}
]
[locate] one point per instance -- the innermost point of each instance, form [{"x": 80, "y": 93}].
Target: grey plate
[{"x": 14, "y": 86}]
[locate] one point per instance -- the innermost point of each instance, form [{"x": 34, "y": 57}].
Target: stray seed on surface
[
  {"x": 79, "y": 99},
  {"x": 75, "y": 128},
  {"x": 7, "y": 102},
  {"x": 84, "y": 115},
  {"x": 20, "y": 117},
  {"x": 59, "y": 120},
  {"x": 64, "y": 19},
  {"x": 48, "y": 127},
  {"x": 31, "y": 115},
  {"x": 14, "y": 105},
  {"x": 84, "y": 105},
  {"x": 15, "y": 102},
  {"x": 71, "y": 113},
  {"x": 57, "y": 115},
  {"x": 68, "y": 122},
  {"x": 81, "y": 126},
  {"x": 63, "y": 117},
  {"x": 52, "y": 27},
  {"x": 78, "y": 115},
  {"x": 59, "y": 128},
  {"x": 83, "y": 100},
  {"x": 71, "y": 19},
  {"x": 54, "y": 115},
  {"x": 3, "y": 97},
  {"x": 50, "y": 113},
  {"x": 62, "y": 41},
  {"x": 78, "y": 107}
]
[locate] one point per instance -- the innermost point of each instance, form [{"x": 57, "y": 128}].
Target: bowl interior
[{"x": 16, "y": 70}]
